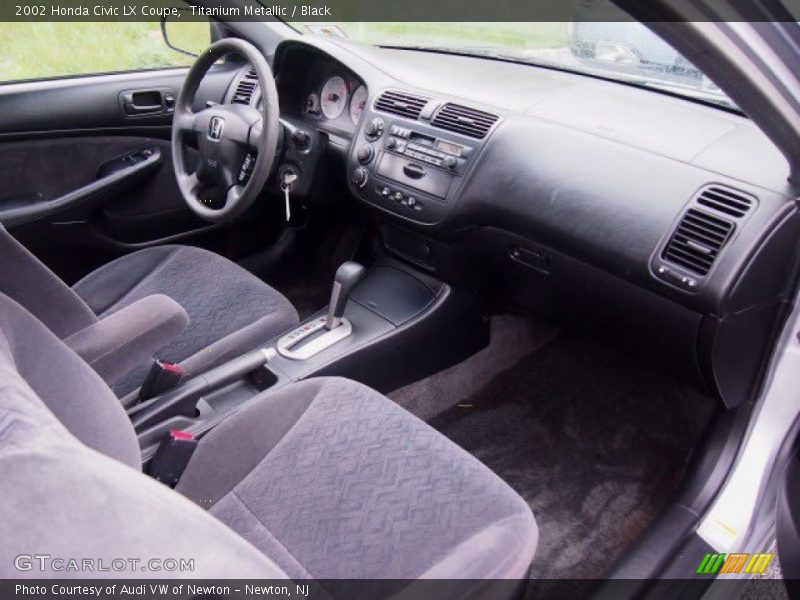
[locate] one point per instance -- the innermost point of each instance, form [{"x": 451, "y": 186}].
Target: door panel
[{"x": 59, "y": 136}]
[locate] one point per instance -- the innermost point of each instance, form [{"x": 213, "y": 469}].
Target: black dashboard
[{"x": 665, "y": 218}]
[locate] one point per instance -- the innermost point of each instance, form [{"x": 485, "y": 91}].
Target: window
[{"x": 38, "y": 50}]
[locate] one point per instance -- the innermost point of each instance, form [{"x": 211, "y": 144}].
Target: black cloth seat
[
  {"x": 323, "y": 479},
  {"x": 222, "y": 310},
  {"x": 230, "y": 310}
]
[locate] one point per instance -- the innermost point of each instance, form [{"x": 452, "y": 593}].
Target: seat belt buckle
[
  {"x": 171, "y": 457},
  {"x": 163, "y": 376}
]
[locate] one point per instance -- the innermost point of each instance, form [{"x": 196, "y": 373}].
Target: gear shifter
[
  {"x": 320, "y": 333},
  {"x": 347, "y": 276}
]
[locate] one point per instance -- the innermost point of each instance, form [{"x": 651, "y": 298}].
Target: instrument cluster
[{"x": 336, "y": 98}]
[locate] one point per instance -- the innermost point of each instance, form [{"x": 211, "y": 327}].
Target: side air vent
[
  {"x": 246, "y": 88},
  {"x": 697, "y": 241},
  {"x": 399, "y": 103},
  {"x": 466, "y": 121},
  {"x": 725, "y": 200}
]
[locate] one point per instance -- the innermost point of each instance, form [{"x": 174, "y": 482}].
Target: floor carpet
[
  {"x": 591, "y": 438},
  {"x": 512, "y": 339}
]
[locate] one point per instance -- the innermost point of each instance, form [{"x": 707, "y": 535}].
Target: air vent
[
  {"x": 466, "y": 121},
  {"x": 398, "y": 103},
  {"x": 246, "y": 88},
  {"x": 697, "y": 241},
  {"x": 725, "y": 200}
]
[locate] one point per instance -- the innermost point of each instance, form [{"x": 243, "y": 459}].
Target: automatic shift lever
[
  {"x": 347, "y": 276},
  {"x": 320, "y": 333}
]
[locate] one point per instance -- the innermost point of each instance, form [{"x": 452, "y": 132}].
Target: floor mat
[
  {"x": 512, "y": 338},
  {"x": 594, "y": 442}
]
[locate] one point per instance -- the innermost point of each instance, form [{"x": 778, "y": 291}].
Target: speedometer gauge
[
  {"x": 357, "y": 104},
  {"x": 333, "y": 98}
]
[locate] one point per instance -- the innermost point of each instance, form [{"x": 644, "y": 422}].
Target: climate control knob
[
  {"x": 374, "y": 129},
  {"x": 365, "y": 154},
  {"x": 449, "y": 162},
  {"x": 359, "y": 177}
]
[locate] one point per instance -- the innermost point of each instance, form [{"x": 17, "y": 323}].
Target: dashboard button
[
  {"x": 365, "y": 154},
  {"x": 374, "y": 129},
  {"x": 359, "y": 177},
  {"x": 301, "y": 139}
]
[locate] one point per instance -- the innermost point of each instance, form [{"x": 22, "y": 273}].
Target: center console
[
  {"x": 408, "y": 167},
  {"x": 386, "y": 327}
]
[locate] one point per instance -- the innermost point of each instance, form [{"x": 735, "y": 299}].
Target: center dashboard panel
[{"x": 412, "y": 154}]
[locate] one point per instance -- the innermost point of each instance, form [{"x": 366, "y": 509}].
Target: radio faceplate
[
  {"x": 408, "y": 168},
  {"x": 438, "y": 152}
]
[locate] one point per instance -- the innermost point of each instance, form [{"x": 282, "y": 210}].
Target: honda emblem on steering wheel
[{"x": 215, "y": 127}]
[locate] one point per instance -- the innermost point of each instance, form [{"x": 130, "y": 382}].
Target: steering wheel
[{"x": 235, "y": 141}]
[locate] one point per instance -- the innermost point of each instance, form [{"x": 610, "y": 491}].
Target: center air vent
[
  {"x": 399, "y": 103},
  {"x": 725, "y": 200},
  {"x": 697, "y": 241},
  {"x": 466, "y": 121},
  {"x": 246, "y": 88}
]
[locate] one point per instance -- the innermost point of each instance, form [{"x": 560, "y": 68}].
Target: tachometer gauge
[
  {"x": 312, "y": 104},
  {"x": 333, "y": 97},
  {"x": 357, "y": 103}
]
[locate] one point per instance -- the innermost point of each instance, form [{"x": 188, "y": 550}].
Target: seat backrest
[
  {"x": 70, "y": 388},
  {"x": 63, "y": 499},
  {"x": 24, "y": 278}
]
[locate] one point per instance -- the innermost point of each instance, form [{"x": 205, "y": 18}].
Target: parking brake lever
[{"x": 347, "y": 276}]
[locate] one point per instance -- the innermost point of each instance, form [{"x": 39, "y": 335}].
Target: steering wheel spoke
[
  {"x": 255, "y": 138},
  {"x": 185, "y": 122},
  {"x": 190, "y": 182},
  {"x": 234, "y": 194}
]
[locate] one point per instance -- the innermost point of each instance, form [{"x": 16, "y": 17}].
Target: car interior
[{"x": 397, "y": 311}]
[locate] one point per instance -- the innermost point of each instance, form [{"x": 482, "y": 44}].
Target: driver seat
[{"x": 214, "y": 310}]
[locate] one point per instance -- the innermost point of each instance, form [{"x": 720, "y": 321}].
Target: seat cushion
[
  {"x": 230, "y": 310},
  {"x": 332, "y": 480}
]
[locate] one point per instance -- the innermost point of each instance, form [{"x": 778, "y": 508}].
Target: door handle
[
  {"x": 137, "y": 109},
  {"x": 146, "y": 102}
]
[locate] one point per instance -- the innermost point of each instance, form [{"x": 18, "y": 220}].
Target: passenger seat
[{"x": 322, "y": 479}]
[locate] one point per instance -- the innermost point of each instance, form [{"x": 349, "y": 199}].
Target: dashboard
[{"x": 665, "y": 219}]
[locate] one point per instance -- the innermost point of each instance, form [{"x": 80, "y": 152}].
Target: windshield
[{"x": 625, "y": 51}]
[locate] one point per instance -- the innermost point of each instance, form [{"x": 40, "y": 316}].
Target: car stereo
[{"x": 408, "y": 171}]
